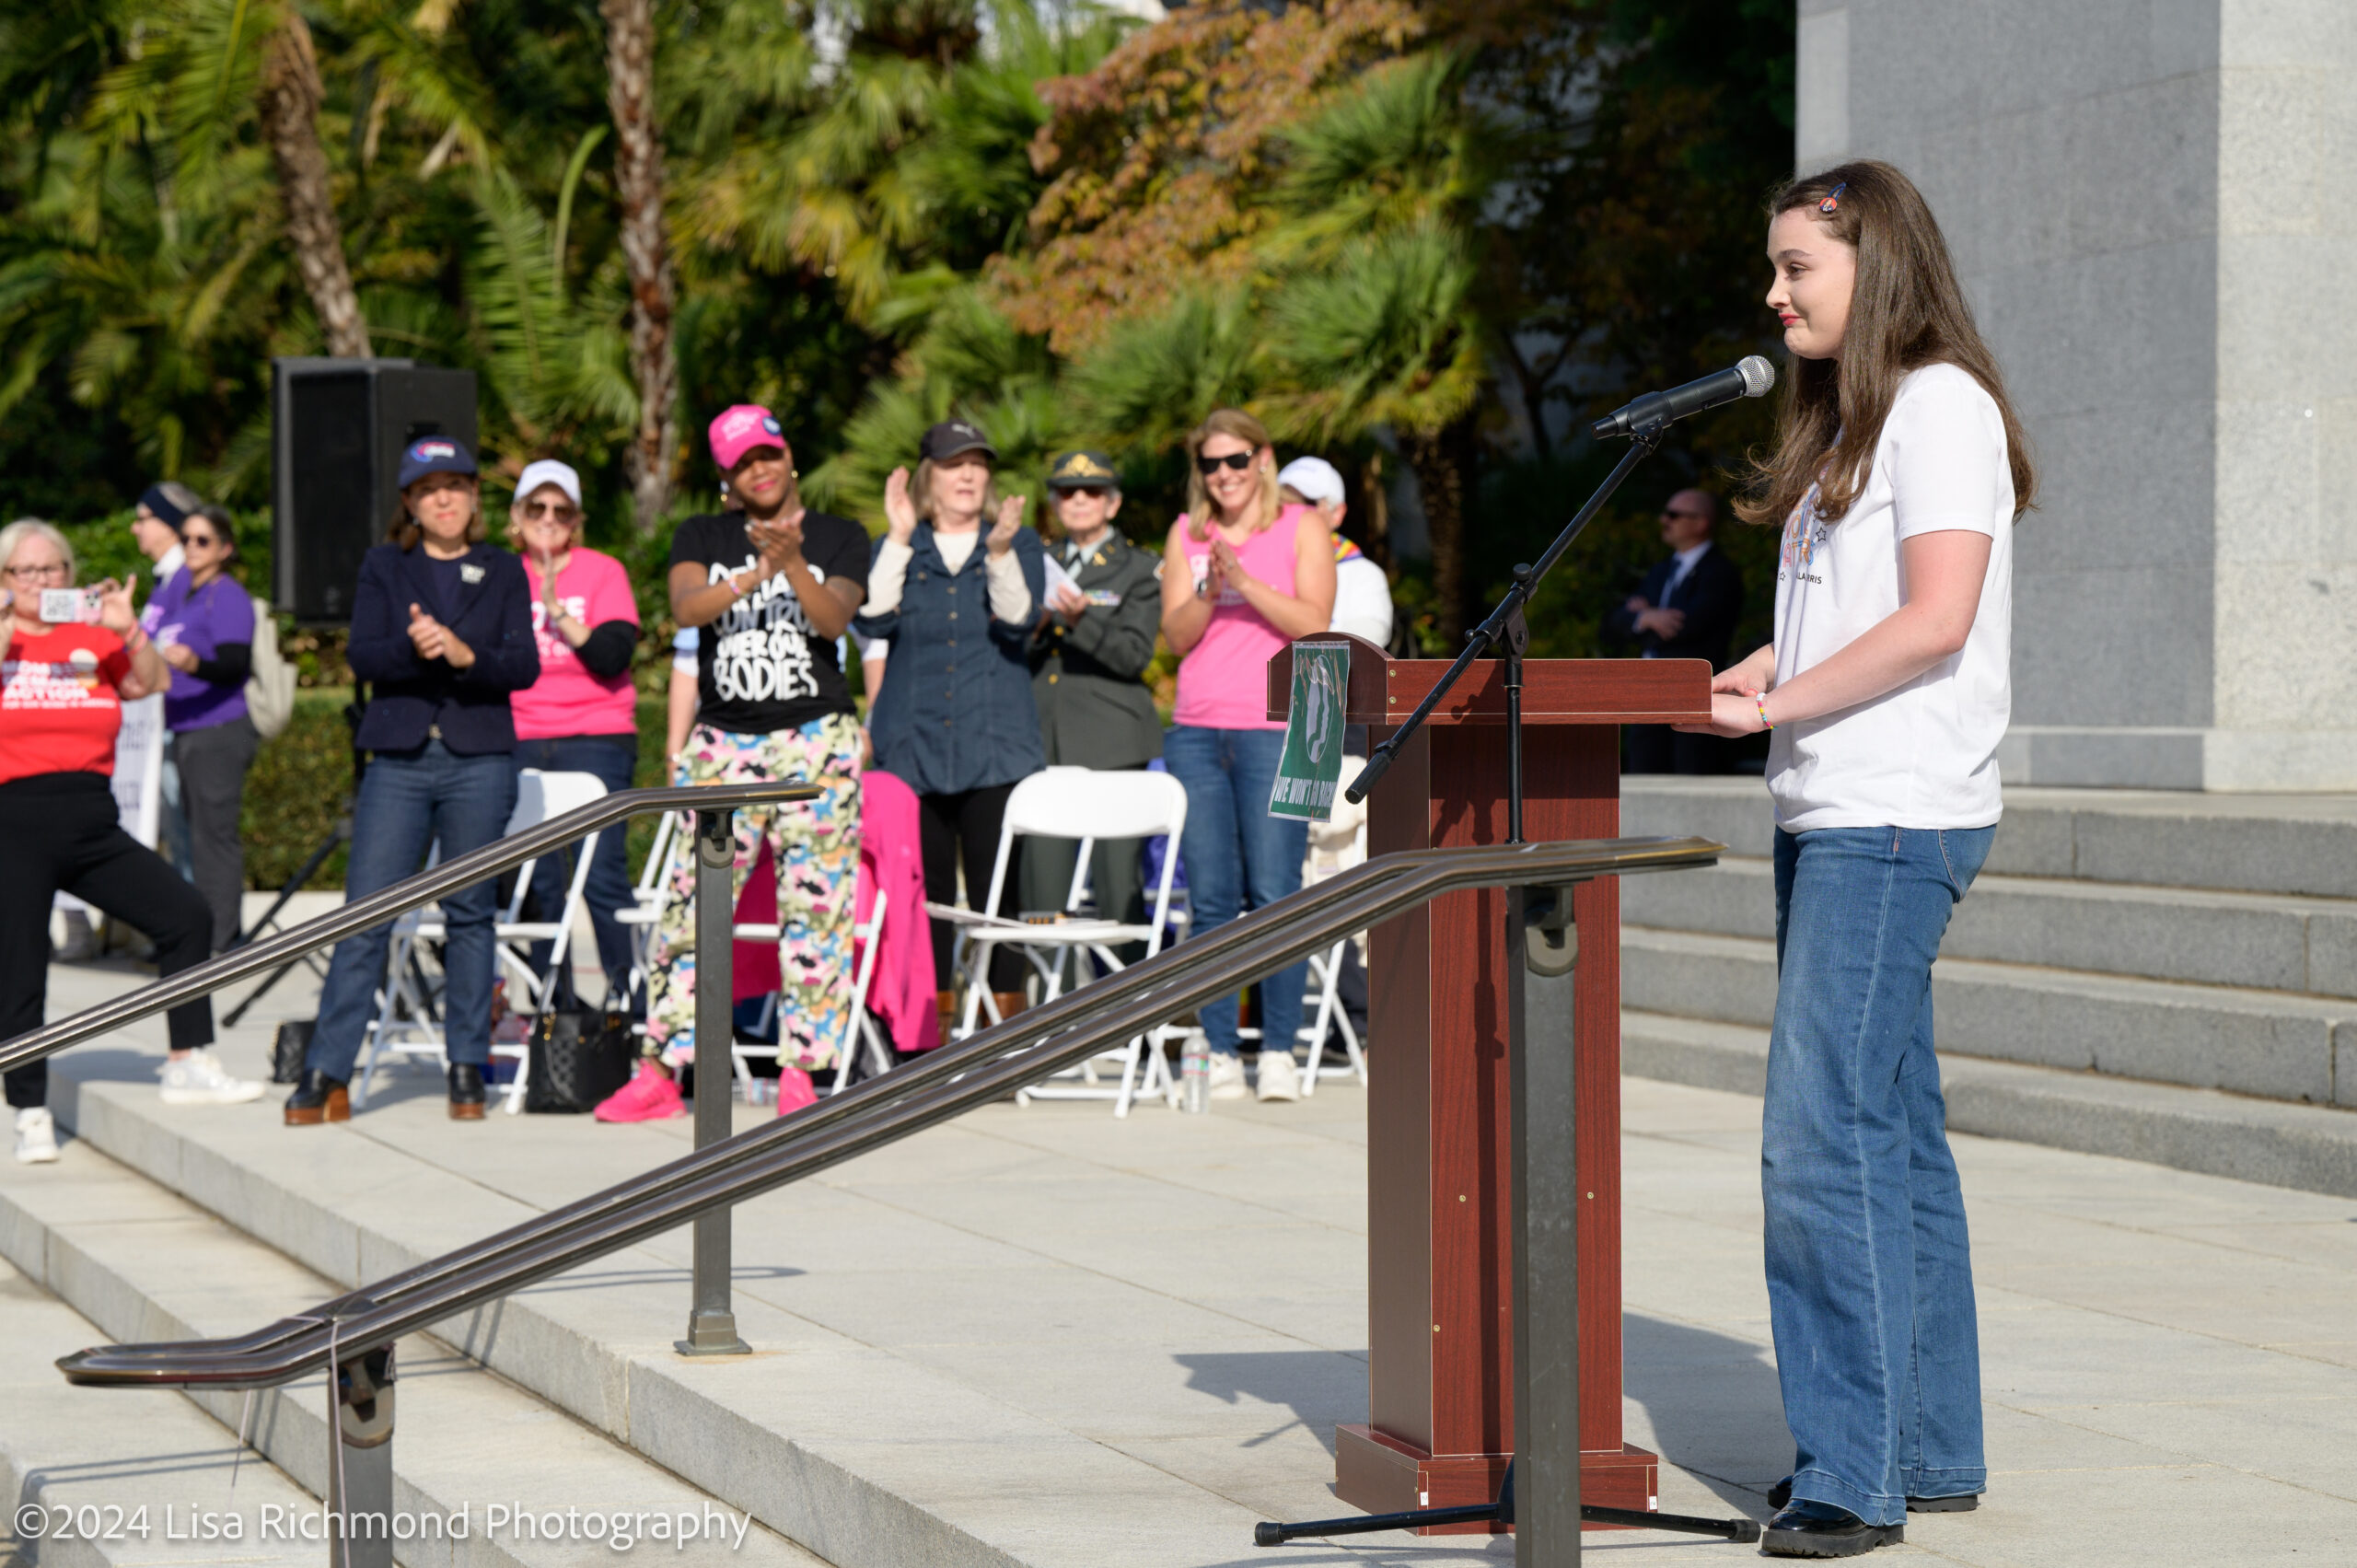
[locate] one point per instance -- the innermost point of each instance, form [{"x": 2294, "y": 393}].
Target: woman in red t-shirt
[{"x": 62, "y": 690}]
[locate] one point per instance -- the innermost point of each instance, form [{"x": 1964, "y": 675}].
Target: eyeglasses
[
  {"x": 1681, "y": 512},
  {"x": 26, "y": 573},
  {"x": 554, "y": 511},
  {"x": 1210, "y": 466},
  {"x": 1094, "y": 492}
]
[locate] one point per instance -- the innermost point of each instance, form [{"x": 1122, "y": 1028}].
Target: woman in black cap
[
  {"x": 956, "y": 722},
  {"x": 441, "y": 623}
]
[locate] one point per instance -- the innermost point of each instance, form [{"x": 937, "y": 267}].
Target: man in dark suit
[{"x": 1685, "y": 608}]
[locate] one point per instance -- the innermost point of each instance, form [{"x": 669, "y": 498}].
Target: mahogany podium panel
[{"x": 1440, "y": 1284}]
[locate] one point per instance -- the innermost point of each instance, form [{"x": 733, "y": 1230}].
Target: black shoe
[
  {"x": 318, "y": 1098},
  {"x": 1962, "y": 1502},
  {"x": 1820, "y": 1529},
  {"x": 466, "y": 1092}
]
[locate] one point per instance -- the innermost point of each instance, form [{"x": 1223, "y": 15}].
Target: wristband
[
  {"x": 1761, "y": 699},
  {"x": 729, "y": 582}
]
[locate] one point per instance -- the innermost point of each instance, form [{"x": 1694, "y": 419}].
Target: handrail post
[
  {"x": 712, "y": 1324},
  {"x": 1542, "y": 946},
  {"x": 360, "y": 1460}
]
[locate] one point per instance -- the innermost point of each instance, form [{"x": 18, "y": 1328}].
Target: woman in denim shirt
[{"x": 954, "y": 719}]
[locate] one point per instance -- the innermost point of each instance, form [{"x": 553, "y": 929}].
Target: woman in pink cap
[{"x": 770, "y": 588}]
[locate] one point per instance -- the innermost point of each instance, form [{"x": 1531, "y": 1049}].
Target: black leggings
[
  {"x": 59, "y": 832},
  {"x": 965, "y": 826}
]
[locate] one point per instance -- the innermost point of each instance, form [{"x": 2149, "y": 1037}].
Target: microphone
[{"x": 1751, "y": 378}]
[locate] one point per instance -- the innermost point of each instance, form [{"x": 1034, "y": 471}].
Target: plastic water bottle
[{"x": 1195, "y": 1077}]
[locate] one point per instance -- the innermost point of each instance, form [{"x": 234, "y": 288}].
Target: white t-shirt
[{"x": 1923, "y": 755}]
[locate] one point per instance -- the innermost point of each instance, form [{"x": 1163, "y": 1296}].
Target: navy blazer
[
  {"x": 956, "y": 711},
  {"x": 1711, "y": 596},
  {"x": 494, "y": 617}
]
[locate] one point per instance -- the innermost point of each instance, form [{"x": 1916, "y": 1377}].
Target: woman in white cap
[{"x": 581, "y": 716}]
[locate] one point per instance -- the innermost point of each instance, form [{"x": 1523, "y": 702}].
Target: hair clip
[{"x": 1833, "y": 198}]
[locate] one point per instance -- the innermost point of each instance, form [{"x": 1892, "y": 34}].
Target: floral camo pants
[{"x": 816, "y": 847}]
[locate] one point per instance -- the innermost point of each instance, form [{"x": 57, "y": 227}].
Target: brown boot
[
  {"x": 318, "y": 1098},
  {"x": 1009, "y": 1003}
]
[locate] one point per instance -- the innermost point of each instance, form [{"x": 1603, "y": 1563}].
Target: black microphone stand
[{"x": 1542, "y": 946}]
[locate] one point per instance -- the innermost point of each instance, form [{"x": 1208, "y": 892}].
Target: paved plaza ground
[{"x": 1170, "y": 1312}]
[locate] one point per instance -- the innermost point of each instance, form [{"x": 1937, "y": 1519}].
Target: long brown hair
[
  {"x": 1201, "y": 513},
  {"x": 1906, "y": 311}
]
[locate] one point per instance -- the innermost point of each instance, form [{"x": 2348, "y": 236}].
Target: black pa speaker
[{"x": 337, "y": 430}]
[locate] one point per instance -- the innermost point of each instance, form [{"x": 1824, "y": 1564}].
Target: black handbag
[
  {"x": 577, "y": 1057},
  {"x": 288, "y": 1050}
]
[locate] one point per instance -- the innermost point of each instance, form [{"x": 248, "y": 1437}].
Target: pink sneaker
[
  {"x": 652, "y": 1096},
  {"x": 794, "y": 1090}
]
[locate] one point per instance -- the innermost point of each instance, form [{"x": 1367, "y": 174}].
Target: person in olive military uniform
[{"x": 1089, "y": 653}]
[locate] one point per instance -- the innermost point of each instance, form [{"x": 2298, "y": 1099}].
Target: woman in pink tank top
[{"x": 1241, "y": 577}]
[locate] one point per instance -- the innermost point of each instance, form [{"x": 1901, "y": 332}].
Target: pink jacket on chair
[{"x": 900, "y": 991}]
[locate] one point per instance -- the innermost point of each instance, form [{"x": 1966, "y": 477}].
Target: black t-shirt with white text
[{"x": 760, "y": 668}]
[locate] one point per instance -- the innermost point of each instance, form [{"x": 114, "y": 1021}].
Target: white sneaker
[
  {"x": 36, "y": 1136},
  {"x": 1227, "y": 1076},
  {"x": 198, "y": 1078},
  {"x": 1279, "y": 1078}
]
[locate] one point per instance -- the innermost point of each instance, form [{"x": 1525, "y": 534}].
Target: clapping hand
[
  {"x": 1010, "y": 517},
  {"x": 429, "y": 636},
  {"x": 179, "y": 655},
  {"x": 1227, "y": 567},
  {"x": 780, "y": 542},
  {"x": 1068, "y": 602},
  {"x": 434, "y": 640},
  {"x": 899, "y": 512}
]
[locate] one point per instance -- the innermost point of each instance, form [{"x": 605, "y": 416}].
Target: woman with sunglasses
[
  {"x": 956, "y": 581},
  {"x": 581, "y": 716},
  {"x": 202, "y": 624},
  {"x": 441, "y": 625},
  {"x": 1242, "y": 575},
  {"x": 63, "y": 684}
]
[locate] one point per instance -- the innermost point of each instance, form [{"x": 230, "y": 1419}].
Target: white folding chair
[
  {"x": 646, "y": 899},
  {"x": 1325, "y": 974},
  {"x": 405, "y": 1025},
  {"x": 1086, "y": 805}
]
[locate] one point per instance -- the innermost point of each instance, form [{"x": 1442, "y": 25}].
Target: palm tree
[
  {"x": 289, "y": 97},
  {"x": 645, "y": 246}
]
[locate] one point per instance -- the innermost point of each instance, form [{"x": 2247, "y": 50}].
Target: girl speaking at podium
[{"x": 1898, "y": 473}]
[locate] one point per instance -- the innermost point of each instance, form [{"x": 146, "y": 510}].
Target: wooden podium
[{"x": 1440, "y": 1284}]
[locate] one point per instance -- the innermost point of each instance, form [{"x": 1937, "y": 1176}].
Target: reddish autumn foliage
[{"x": 1157, "y": 156}]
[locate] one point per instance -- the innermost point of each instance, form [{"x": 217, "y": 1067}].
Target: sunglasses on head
[{"x": 1210, "y": 466}]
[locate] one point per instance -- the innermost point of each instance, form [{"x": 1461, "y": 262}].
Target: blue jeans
[
  {"x": 611, "y": 758},
  {"x": 408, "y": 801},
  {"x": 1869, "y": 1268},
  {"x": 1239, "y": 857}
]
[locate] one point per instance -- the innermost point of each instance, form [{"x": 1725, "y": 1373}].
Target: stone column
[{"x": 2152, "y": 204}]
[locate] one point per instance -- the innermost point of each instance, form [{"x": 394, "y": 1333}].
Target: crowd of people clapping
[{"x": 485, "y": 659}]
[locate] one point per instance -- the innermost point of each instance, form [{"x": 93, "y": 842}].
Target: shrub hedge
[{"x": 300, "y": 780}]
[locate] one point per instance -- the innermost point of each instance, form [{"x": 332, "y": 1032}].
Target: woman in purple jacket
[{"x": 202, "y": 624}]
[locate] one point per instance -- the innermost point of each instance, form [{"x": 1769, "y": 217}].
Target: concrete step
[
  {"x": 865, "y": 1455},
  {"x": 2310, "y": 1147},
  {"x": 2305, "y": 845},
  {"x": 2259, "y": 941},
  {"x": 139, "y": 1263},
  {"x": 136, "y": 1469},
  {"x": 2271, "y": 1044}
]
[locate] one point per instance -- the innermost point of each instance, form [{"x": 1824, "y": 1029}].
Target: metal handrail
[
  {"x": 986, "y": 1067},
  {"x": 389, "y": 903}
]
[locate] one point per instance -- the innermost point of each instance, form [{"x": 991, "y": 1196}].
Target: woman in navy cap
[
  {"x": 441, "y": 623},
  {"x": 956, "y": 579}
]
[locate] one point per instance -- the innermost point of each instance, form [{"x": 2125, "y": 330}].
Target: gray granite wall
[{"x": 2151, "y": 202}]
